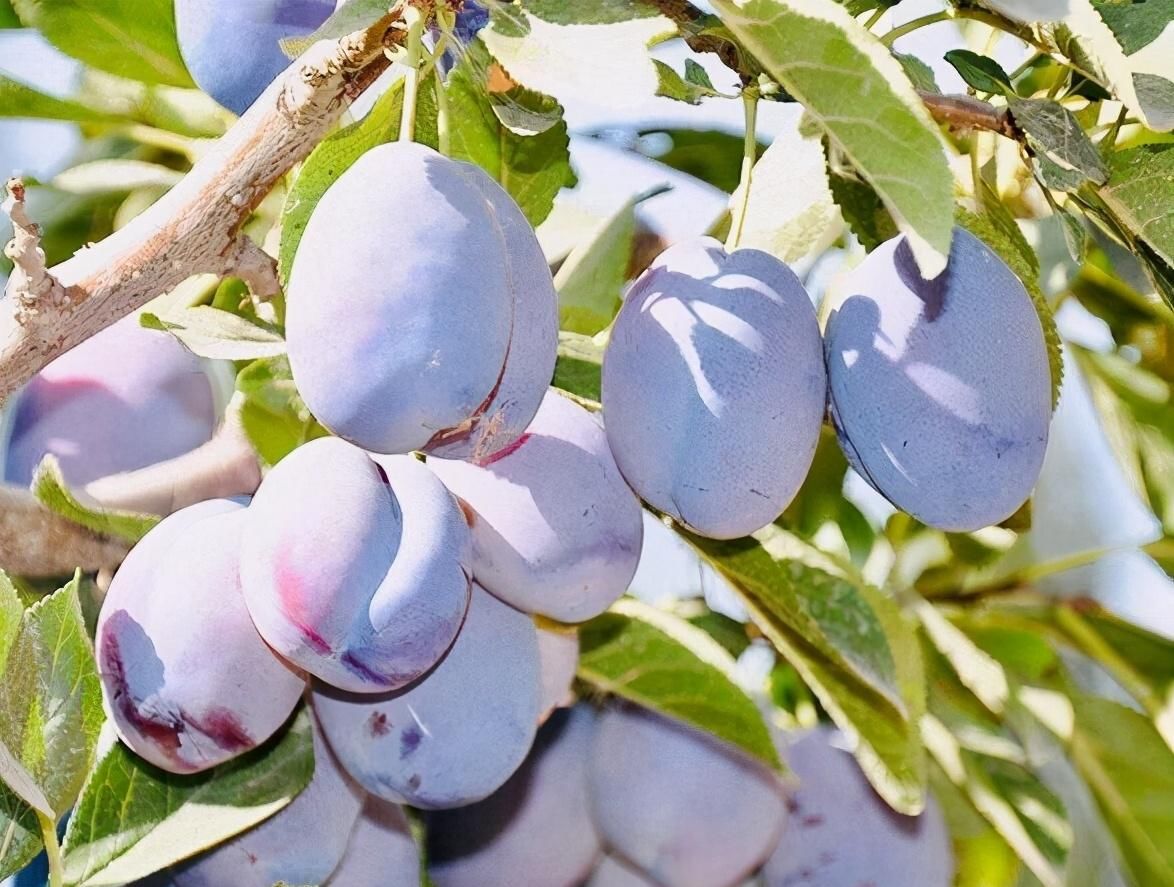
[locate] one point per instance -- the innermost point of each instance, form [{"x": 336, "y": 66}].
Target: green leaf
[
  {"x": 8, "y": 17},
  {"x": 1008, "y": 242},
  {"x": 691, "y": 88},
  {"x": 532, "y": 168},
  {"x": 275, "y": 418},
  {"x": 218, "y": 335},
  {"x": 51, "y": 490},
  {"x": 18, "y": 100},
  {"x": 663, "y": 663},
  {"x": 1140, "y": 192},
  {"x": 50, "y": 714},
  {"x": 134, "y": 819},
  {"x": 1135, "y": 24},
  {"x": 105, "y": 176},
  {"x": 1131, "y": 774},
  {"x": 130, "y": 38},
  {"x": 850, "y": 643},
  {"x": 791, "y": 212},
  {"x": 981, "y": 72},
  {"x": 579, "y": 367},
  {"x": 861, "y": 207},
  {"x": 562, "y": 58},
  {"x": 919, "y": 73},
  {"x": 591, "y": 280},
  {"x": 860, "y": 96},
  {"x": 709, "y": 155},
  {"x": 1053, "y": 131}
]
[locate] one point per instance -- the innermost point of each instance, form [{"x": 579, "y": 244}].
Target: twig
[
  {"x": 35, "y": 543},
  {"x": 34, "y": 288},
  {"x": 195, "y": 228},
  {"x": 966, "y": 112}
]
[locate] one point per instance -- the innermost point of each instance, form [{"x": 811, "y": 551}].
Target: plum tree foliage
[{"x": 417, "y": 627}]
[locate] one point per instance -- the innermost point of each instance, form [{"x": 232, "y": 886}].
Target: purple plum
[
  {"x": 841, "y": 832},
  {"x": 558, "y": 653},
  {"x": 186, "y": 679},
  {"x": 125, "y": 399},
  {"x": 381, "y": 852},
  {"x": 231, "y": 47},
  {"x": 611, "y": 872},
  {"x": 534, "y": 830},
  {"x": 356, "y": 570},
  {"x": 301, "y": 844},
  {"x": 714, "y": 387},
  {"x": 431, "y": 297},
  {"x": 940, "y": 389},
  {"x": 678, "y": 804},
  {"x": 456, "y": 735},
  {"x": 556, "y": 530}
]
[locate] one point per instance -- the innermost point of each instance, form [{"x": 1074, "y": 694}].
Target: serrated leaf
[
  {"x": 919, "y": 73},
  {"x": 19, "y": 100},
  {"x": 1054, "y": 132},
  {"x": 665, "y": 664},
  {"x": 980, "y": 72},
  {"x": 860, "y": 96},
  {"x": 1136, "y": 25},
  {"x": 130, "y": 38},
  {"x": 532, "y": 168},
  {"x": 273, "y": 414},
  {"x": 134, "y": 819},
  {"x": 50, "y": 714},
  {"x": 591, "y": 279},
  {"x": 1140, "y": 192},
  {"x": 791, "y": 212},
  {"x": 337, "y": 154},
  {"x": 216, "y": 334},
  {"x": 579, "y": 368},
  {"x": 51, "y": 490},
  {"x": 850, "y": 643},
  {"x": 561, "y": 58},
  {"x": 1013, "y": 249}
]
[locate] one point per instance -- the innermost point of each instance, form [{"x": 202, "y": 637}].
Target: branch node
[
  {"x": 32, "y": 287},
  {"x": 255, "y": 267}
]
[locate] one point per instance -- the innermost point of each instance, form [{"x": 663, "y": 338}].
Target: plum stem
[
  {"x": 415, "y": 20},
  {"x": 749, "y": 157},
  {"x": 52, "y": 850},
  {"x": 915, "y": 24}
]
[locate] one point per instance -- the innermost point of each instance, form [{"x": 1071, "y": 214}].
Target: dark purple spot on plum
[
  {"x": 793, "y": 805},
  {"x": 383, "y": 475},
  {"x": 504, "y": 451},
  {"x": 931, "y": 292},
  {"x": 223, "y": 728},
  {"x": 378, "y": 725},
  {"x": 414, "y": 782},
  {"x": 156, "y": 727},
  {"x": 409, "y": 741},
  {"x": 356, "y": 667},
  {"x": 812, "y": 821}
]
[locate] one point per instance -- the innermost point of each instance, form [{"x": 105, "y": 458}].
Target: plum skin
[
  {"x": 842, "y": 832},
  {"x": 536, "y": 828},
  {"x": 556, "y": 529},
  {"x": 449, "y": 264},
  {"x": 940, "y": 390},
  {"x": 381, "y": 851},
  {"x": 681, "y": 806},
  {"x": 175, "y": 598},
  {"x": 457, "y": 734},
  {"x": 714, "y": 387},
  {"x": 354, "y": 570},
  {"x": 277, "y": 849},
  {"x": 232, "y": 49},
  {"x": 125, "y": 399},
  {"x": 611, "y": 872}
]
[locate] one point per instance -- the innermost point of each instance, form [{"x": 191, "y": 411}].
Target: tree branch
[
  {"x": 967, "y": 112},
  {"x": 194, "y": 228}
]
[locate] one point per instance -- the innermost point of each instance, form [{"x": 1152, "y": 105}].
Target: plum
[
  {"x": 677, "y": 803},
  {"x": 381, "y": 852},
  {"x": 432, "y": 294},
  {"x": 536, "y": 829},
  {"x": 714, "y": 387},
  {"x": 232, "y": 49},
  {"x": 841, "y": 832},
  {"x": 301, "y": 844},
  {"x": 356, "y": 571},
  {"x": 457, "y": 734},
  {"x": 611, "y": 872},
  {"x": 186, "y": 679},
  {"x": 940, "y": 389},
  {"x": 558, "y": 655},
  {"x": 556, "y": 530},
  {"x": 122, "y": 400}
]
